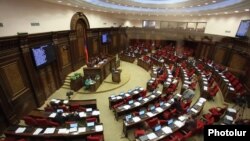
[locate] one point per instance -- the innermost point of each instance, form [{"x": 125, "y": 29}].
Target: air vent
[
  {"x": 35, "y": 24},
  {"x": 1, "y": 24}
]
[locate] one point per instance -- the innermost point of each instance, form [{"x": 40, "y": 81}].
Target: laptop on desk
[
  {"x": 128, "y": 118},
  {"x": 142, "y": 114},
  {"x": 91, "y": 125},
  {"x": 143, "y": 138},
  {"x": 152, "y": 109},
  {"x": 158, "y": 131},
  {"x": 171, "y": 124}
]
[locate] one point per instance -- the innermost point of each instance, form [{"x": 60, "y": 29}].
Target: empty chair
[
  {"x": 139, "y": 132},
  {"x": 30, "y": 121},
  {"x": 91, "y": 119},
  {"x": 97, "y": 137},
  {"x": 152, "y": 122}
]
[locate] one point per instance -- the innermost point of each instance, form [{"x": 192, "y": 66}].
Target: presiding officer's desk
[
  {"x": 128, "y": 108},
  {"x": 136, "y": 120},
  {"x": 177, "y": 124},
  {"x": 103, "y": 69},
  {"x": 59, "y": 133},
  {"x": 91, "y": 103}
]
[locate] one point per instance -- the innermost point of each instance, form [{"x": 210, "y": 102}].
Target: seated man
[{"x": 188, "y": 94}]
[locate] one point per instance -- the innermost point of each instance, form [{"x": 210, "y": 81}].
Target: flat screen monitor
[
  {"x": 152, "y": 108},
  {"x": 170, "y": 121},
  {"x": 140, "y": 98},
  {"x": 43, "y": 54},
  {"x": 157, "y": 127},
  {"x": 142, "y": 112},
  {"x": 128, "y": 117},
  {"x": 161, "y": 103},
  {"x": 105, "y": 38},
  {"x": 90, "y": 124},
  {"x": 73, "y": 125},
  {"x": 130, "y": 101},
  {"x": 243, "y": 29}
]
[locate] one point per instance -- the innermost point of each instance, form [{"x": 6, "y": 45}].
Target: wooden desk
[
  {"x": 128, "y": 108},
  {"x": 122, "y": 96},
  {"x": 127, "y": 58},
  {"x": 44, "y": 114},
  {"x": 91, "y": 103},
  {"x": 144, "y": 64},
  {"x": 28, "y": 134}
]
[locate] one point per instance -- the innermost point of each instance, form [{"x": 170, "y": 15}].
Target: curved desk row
[
  {"x": 91, "y": 103},
  {"x": 62, "y": 134}
]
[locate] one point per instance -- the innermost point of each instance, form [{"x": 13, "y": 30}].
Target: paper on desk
[
  {"x": 98, "y": 128},
  {"x": 126, "y": 107},
  {"x": 81, "y": 129},
  {"x": 152, "y": 136},
  {"x": 199, "y": 104},
  {"x": 73, "y": 129},
  {"x": 136, "y": 119},
  {"x": 167, "y": 104},
  {"x": 38, "y": 130},
  {"x": 229, "y": 118},
  {"x": 63, "y": 131},
  {"x": 159, "y": 109},
  {"x": 231, "y": 110},
  {"x": 145, "y": 99},
  {"x": 205, "y": 88},
  {"x": 167, "y": 130},
  {"x": 20, "y": 130},
  {"x": 150, "y": 114},
  {"x": 182, "y": 118},
  {"x": 137, "y": 103},
  {"x": 118, "y": 97},
  {"x": 193, "y": 110},
  {"x": 82, "y": 114},
  {"x": 52, "y": 115},
  {"x": 153, "y": 96},
  {"x": 49, "y": 130},
  {"x": 179, "y": 124},
  {"x": 127, "y": 95},
  {"x": 95, "y": 113},
  {"x": 65, "y": 101},
  {"x": 202, "y": 99}
]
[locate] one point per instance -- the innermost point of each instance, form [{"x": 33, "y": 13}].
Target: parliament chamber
[{"x": 84, "y": 74}]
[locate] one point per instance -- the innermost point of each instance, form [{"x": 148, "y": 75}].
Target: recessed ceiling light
[
  {"x": 216, "y": 13},
  {"x": 191, "y": 6},
  {"x": 246, "y": 9},
  {"x": 206, "y": 3},
  {"x": 214, "y": 1},
  {"x": 199, "y": 15},
  {"x": 236, "y": 11},
  {"x": 208, "y": 14},
  {"x": 198, "y": 5},
  {"x": 59, "y": 1},
  {"x": 225, "y": 12},
  {"x": 191, "y": 15},
  {"x": 76, "y": 6},
  {"x": 183, "y": 7},
  {"x": 83, "y": 7},
  {"x": 68, "y": 4}
]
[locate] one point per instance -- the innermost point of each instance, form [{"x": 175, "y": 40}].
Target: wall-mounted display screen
[
  {"x": 43, "y": 54},
  {"x": 150, "y": 24},
  {"x": 105, "y": 38},
  {"x": 243, "y": 29}
]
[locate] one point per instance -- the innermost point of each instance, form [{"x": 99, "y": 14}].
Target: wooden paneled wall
[{"x": 23, "y": 87}]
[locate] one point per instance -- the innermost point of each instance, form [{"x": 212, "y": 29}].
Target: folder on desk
[
  {"x": 95, "y": 113},
  {"x": 49, "y": 130},
  {"x": 81, "y": 129},
  {"x": 82, "y": 114},
  {"x": 179, "y": 124},
  {"x": 38, "y": 131},
  {"x": 150, "y": 114},
  {"x": 193, "y": 110},
  {"x": 152, "y": 136},
  {"x": 145, "y": 99},
  {"x": 137, "y": 103},
  {"x": 20, "y": 130},
  {"x": 167, "y": 130},
  {"x": 159, "y": 109},
  {"x": 52, "y": 115},
  {"x": 63, "y": 131},
  {"x": 136, "y": 119},
  {"x": 98, "y": 128},
  {"x": 126, "y": 107}
]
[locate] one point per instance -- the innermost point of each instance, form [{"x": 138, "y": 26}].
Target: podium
[{"x": 116, "y": 76}]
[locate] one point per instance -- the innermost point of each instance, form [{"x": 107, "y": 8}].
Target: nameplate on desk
[
  {"x": 38, "y": 131},
  {"x": 49, "y": 131},
  {"x": 63, "y": 131},
  {"x": 20, "y": 130}
]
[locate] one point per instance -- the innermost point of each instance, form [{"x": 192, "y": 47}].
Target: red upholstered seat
[
  {"x": 97, "y": 137},
  {"x": 30, "y": 121},
  {"x": 139, "y": 132}
]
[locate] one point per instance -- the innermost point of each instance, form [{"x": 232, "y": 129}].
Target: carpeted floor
[{"x": 137, "y": 77}]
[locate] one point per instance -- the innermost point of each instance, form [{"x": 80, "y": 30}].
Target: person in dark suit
[
  {"x": 177, "y": 104},
  {"x": 59, "y": 118},
  {"x": 191, "y": 123}
]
